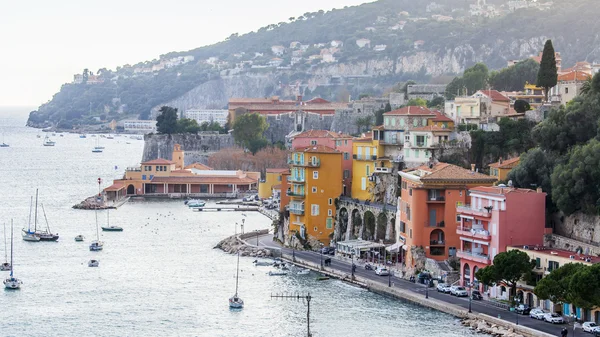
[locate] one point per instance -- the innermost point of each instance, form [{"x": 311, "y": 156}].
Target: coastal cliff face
[{"x": 197, "y": 147}]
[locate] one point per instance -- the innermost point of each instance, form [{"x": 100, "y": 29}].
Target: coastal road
[{"x": 484, "y": 307}]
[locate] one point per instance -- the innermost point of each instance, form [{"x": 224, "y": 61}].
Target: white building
[
  {"x": 140, "y": 126},
  {"x": 278, "y": 50},
  {"x": 361, "y": 43},
  {"x": 380, "y": 47},
  {"x": 207, "y": 115}
]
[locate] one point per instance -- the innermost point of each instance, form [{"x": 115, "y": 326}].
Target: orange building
[{"x": 427, "y": 208}]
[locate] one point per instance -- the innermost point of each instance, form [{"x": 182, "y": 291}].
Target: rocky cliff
[{"x": 197, "y": 147}]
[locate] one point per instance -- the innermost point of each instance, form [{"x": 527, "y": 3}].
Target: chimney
[
  {"x": 299, "y": 98},
  {"x": 500, "y": 162},
  {"x": 538, "y": 190},
  {"x": 473, "y": 167}
]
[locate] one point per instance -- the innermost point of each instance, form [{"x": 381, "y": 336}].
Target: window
[
  {"x": 415, "y": 122},
  {"x": 315, "y": 229},
  {"x": 330, "y": 201},
  {"x": 424, "y": 121},
  {"x": 410, "y": 192},
  {"x": 143, "y": 177},
  {"x": 393, "y": 121},
  {"x": 406, "y": 153},
  {"x": 314, "y": 209},
  {"x": 363, "y": 183},
  {"x": 346, "y": 174},
  {"x": 566, "y": 90},
  {"x": 410, "y": 233},
  {"x": 458, "y": 218},
  {"x": 346, "y": 156},
  {"x": 338, "y": 143},
  {"x": 537, "y": 262},
  {"x": 387, "y": 121},
  {"x": 416, "y": 152},
  {"x": 402, "y": 122},
  {"x": 402, "y": 227},
  {"x": 407, "y": 212},
  {"x": 329, "y": 212},
  {"x": 313, "y": 142},
  {"x": 315, "y": 174},
  {"x": 420, "y": 140},
  {"x": 314, "y": 189},
  {"x": 368, "y": 170},
  {"x": 278, "y": 178},
  {"x": 329, "y": 223},
  {"x": 346, "y": 142}
]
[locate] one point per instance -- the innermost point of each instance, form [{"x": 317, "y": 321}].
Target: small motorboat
[
  {"x": 235, "y": 302},
  {"x": 93, "y": 263},
  {"x": 322, "y": 278},
  {"x": 12, "y": 283},
  {"x": 112, "y": 229},
  {"x": 277, "y": 273},
  {"x": 195, "y": 203},
  {"x": 303, "y": 272},
  {"x": 262, "y": 263},
  {"x": 96, "y": 246},
  {"x": 79, "y": 238},
  {"x": 5, "y": 266}
]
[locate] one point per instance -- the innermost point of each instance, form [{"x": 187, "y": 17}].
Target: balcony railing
[
  {"x": 421, "y": 144},
  {"x": 134, "y": 169},
  {"x": 296, "y": 179},
  {"x": 473, "y": 232},
  {"x": 467, "y": 209},
  {"x": 469, "y": 255},
  {"x": 364, "y": 157},
  {"x": 440, "y": 224},
  {"x": 436, "y": 199},
  {"x": 383, "y": 170},
  {"x": 310, "y": 163},
  {"x": 298, "y": 210},
  {"x": 437, "y": 242},
  {"x": 291, "y": 193}
]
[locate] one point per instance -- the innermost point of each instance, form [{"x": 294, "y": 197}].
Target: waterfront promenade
[{"x": 342, "y": 269}]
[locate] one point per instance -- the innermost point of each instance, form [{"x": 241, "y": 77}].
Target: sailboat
[
  {"x": 47, "y": 234},
  {"x": 38, "y": 235},
  {"x": 12, "y": 282},
  {"x": 96, "y": 245},
  {"x": 108, "y": 227},
  {"x": 48, "y": 141},
  {"x": 3, "y": 143},
  {"x": 6, "y": 265},
  {"x": 98, "y": 148},
  {"x": 235, "y": 302},
  {"x": 28, "y": 235}
]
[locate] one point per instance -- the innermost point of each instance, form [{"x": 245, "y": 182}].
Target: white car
[
  {"x": 382, "y": 272},
  {"x": 447, "y": 289},
  {"x": 590, "y": 327},
  {"x": 441, "y": 286},
  {"x": 553, "y": 318},
  {"x": 459, "y": 292},
  {"x": 537, "y": 313},
  {"x": 452, "y": 290}
]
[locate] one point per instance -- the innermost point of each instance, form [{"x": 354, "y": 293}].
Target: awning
[
  {"x": 404, "y": 247},
  {"x": 395, "y": 247}
]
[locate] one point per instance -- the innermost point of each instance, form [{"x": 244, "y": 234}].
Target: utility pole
[{"x": 299, "y": 297}]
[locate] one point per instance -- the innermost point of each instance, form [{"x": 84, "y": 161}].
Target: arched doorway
[
  {"x": 342, "y": 225},
  {"x": 130, "y": 189},
  {"x": 369, "y": 231},
  {"x": 437, "y": 242},
  {"x": 520, "y": 296},
  {"x": 529, "y": 300},
  {"x": 381, "y": 227},
  {"x": 466, "y": 274},
  {"x": 356, "y": 224}
]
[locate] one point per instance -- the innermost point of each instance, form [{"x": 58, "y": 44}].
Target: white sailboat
[
  {"x": 3, "y": 143},
  {"x": 48, "y": 141},
  {"x": 46, "y": 235},
  {"x": 6, "y": 265},
  {"x": 96, "y": 245},
  {"x": 235, "y": 302},
  {"x": 12, "y": 282},
  {"x": 98, "y": 148},
  {"x": 28, "y": 235}
]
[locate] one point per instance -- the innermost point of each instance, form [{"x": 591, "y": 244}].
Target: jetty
[{"x": 226, "y": 209}]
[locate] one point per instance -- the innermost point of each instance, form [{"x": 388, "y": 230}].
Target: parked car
[
  {"x": 537, "y": 313},
  {"x": 553, "y": 318},
  {"x": 476, "y": 295},
  {"x": 331, "y": 251},
  {"x": 452, "y": 289},
  {"x": 382, "y": 272},
  {"x": 460, "y": 292},
  {"x": 325, "y": 250},
  {"x": 590, "y": 327},
  {"x": 250, "y": 198},
  {"x": 441, "y": 286},
  {"x": 447, "y": 289},
  {"x": 523, "y": 309},
  {"x": 369, "y": 266}
]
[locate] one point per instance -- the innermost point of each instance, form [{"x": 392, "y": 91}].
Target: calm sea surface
[{"x": 161, "y": 275}]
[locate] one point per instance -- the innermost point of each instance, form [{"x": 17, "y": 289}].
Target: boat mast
[
  {"x": 11, "y": 247},
  {"x": 97, "y": 233},
  {"x": 35, "y": 215},
  {"x": 237, "y": 273},
  {"x": 45, "y": 218},
  {"x": 5, "y": 245},
  {"x": 29, "y": 221},
  {"x": 107, "y": 217}
]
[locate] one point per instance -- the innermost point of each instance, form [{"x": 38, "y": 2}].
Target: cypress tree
[{"x": 548, "y": 74}]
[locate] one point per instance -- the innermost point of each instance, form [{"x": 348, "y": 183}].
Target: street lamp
[
  {"x": 426, "y": 281},
  {"x": 516, "y": 306},
  {"x": 470, "y": 295},
  {"x": 293, "y": 241},
  {"x": 243, "y": 220}
]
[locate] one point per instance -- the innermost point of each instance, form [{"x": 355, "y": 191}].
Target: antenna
[{"x": 299, "y": 297}]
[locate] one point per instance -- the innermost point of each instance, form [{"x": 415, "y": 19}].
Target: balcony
[
  {"x": 297, "y": 180},
  {"x": 436, "y": 200},
  {"x": 466, "y": 209},
  {"x": 313, "y": 163},
  {"x": 134, "y": 169},
  {"x": 364, "y": 157},
  {"x": 383, "y": 170},
  {"x": 478, "y": 233},
  {"x": 296, "y": 209},
  {"x": 476, "y": 257},
  {"x": 437, "y": 243},
  {"x": 297, "y": 194},
  {"x": 440, "y": 224}
]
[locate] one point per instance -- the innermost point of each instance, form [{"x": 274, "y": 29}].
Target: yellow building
[
  {"x": 501, "y": 168},
  {"x": 367, "y": 159},
  {"x": 441, "y": 120},
  {"x": 272, "y": 178},
  {"x": 315, "y": 182}
]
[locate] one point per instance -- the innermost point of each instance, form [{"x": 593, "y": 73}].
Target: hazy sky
[{"x": 44, "y": 42}]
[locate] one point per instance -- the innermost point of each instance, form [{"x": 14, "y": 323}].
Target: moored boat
[
  {"x": 12, "y": 282},
  {"x": 195, "y": 203},
  {"x": 93, "y": 263},
  {"x": 112, "y": 229},
  {"x": 79, "y": 238},
  {"x": 277, "y": 273},
  {"x": 235, "y": 302}
]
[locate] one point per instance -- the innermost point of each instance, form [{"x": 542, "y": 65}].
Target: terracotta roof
[
  {"x": 411, "y": 110},
  {"x": 440, "y": 117},
  {"x": 508, "y": 163},
  {"x": 317, "y": 100},
  {"x": 158, "y": 161},
  {"x": 321, "y": 134},
  {"x": 500, "y": 190},
  {"x": 204, "y": 180},
  {"x": 432, "y": 128},
  {"x": 199, "y": 166},
  {"x": 317, "y": 149},
  {"x": 574, "y": 76},
  {"x": 115, "y": 187},
  {"x": 449, "y": 172},
  {"x": 495, "y": 95},
  {"x": 181, "y": 171},
  {"x": 560, "y": 252},
  {"x": 277, "y": 170}
]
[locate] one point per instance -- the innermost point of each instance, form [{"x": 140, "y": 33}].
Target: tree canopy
[
  {"x": 573, "y": 283},
  {"x": 513, "y": 78},
  {"x": 548, "y": 74},
  {"x": 508, "y": 268},
  {"x": 166, "y": 122},
  {"x": 473, "y": 79},
  {"x": 535, "y": 170},
  {"x": 248, "y": 131}
]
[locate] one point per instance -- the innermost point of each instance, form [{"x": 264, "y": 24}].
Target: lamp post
[
  {"x": 426, "y": 281},
  {"x": 321, "y": 255},
  {"x": 352, "y": 263},
  {"x": 389, "y": 278},
  {"x": 293, "y": 241},
  {"x": 470, "y": 295},
  {"x": 516, "y": 305},
  {"x": 243, "y": 220}
]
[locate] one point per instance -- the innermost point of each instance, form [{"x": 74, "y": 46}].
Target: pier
[{"x": 225, "y": 209}]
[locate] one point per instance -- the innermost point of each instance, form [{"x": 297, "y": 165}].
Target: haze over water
[{"x": 161, "y": 275}]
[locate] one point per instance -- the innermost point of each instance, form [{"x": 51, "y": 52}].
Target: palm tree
[{"x": 586, "y": 87}]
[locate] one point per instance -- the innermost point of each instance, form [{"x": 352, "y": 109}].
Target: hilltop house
[
  {"x": 361, "y": 43},
  {"x": 278, "y": 50}
]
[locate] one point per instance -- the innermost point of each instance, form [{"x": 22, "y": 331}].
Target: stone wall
[
  {"x": 281, "y": 125},
  {"x": 197, "y": 147},
  {"x": 345, "y": 121},
  {"x": 579, "y": 227},
  {"x": 561, "y": 242}
]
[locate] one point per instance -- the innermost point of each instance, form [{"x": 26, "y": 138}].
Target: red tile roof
[
  {"x": 440, "y": 117},
  {"x": 321, "y": 134},
  {"x": 411, "y": 110},
  {"x": 574, "y": 76},
  {"x": 562, "y": 253},
  {"x": 508, "y": 163},
  {"x": 495, "y": 95},
  {"x": 452, "y": 173},
  {"x": 277, "y": 170},
  {"x": 158, "y": 161},
  {"x": 204, "y": 180},
  {"x": 115, "y": 187},
  {"x": 317, "y": 149},
  {"x": 432, "y": 128},
  {"x": 500, "y": 190}
]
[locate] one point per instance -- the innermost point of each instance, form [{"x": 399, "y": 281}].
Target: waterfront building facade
[
  {"x": 140, "y": 126},
  {"x": 207, "y": 115},
  {"x": 366, "y": 165},
  {"x": 493, "y": 218},
  {"x": 315, "y": 182},
  {"x": 500, "y": 169},
  {"x": 272, "y": 178},
  {"x": 427, "y": 208}
]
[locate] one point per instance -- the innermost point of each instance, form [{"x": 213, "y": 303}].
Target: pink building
[
  {"x": 496, "y": 218},
  {"x": 339, "y": 141}
]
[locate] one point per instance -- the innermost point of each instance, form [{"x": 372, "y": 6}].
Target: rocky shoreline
[
  {"x": 92, "y": 203},
  {"x": 233, "y": 244},
  {"x": 482, "y": 326}
]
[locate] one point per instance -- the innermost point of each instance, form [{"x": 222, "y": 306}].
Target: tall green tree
[
  {"x": 548, "y": 74},
  {"x": 166, "y": 122},
  {"x": 556, "y": 286},
  {"x": 521, "y": 106},
  {"x": 416, "y": 102},
  {"x": 513, "y": 78},
  {"x": 186, "y": 125},
  {"x": 508, "y": 268},
  {"x": 248, "y": 131},
  {"x": 585, "y": 287},
  {"x": 455, "y": 88},
  {"x": 475, "y": 78},
  {"x": 535, "y": 170}
]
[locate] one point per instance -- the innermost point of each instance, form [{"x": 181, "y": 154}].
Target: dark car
[
  {"x": 325, "y": 250},
  {"x": 523, "y": 309},
  {"x": 331, "y": 251},
  {"x": 368, "y": 266},
  {"x": 476, "y": 295}
]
